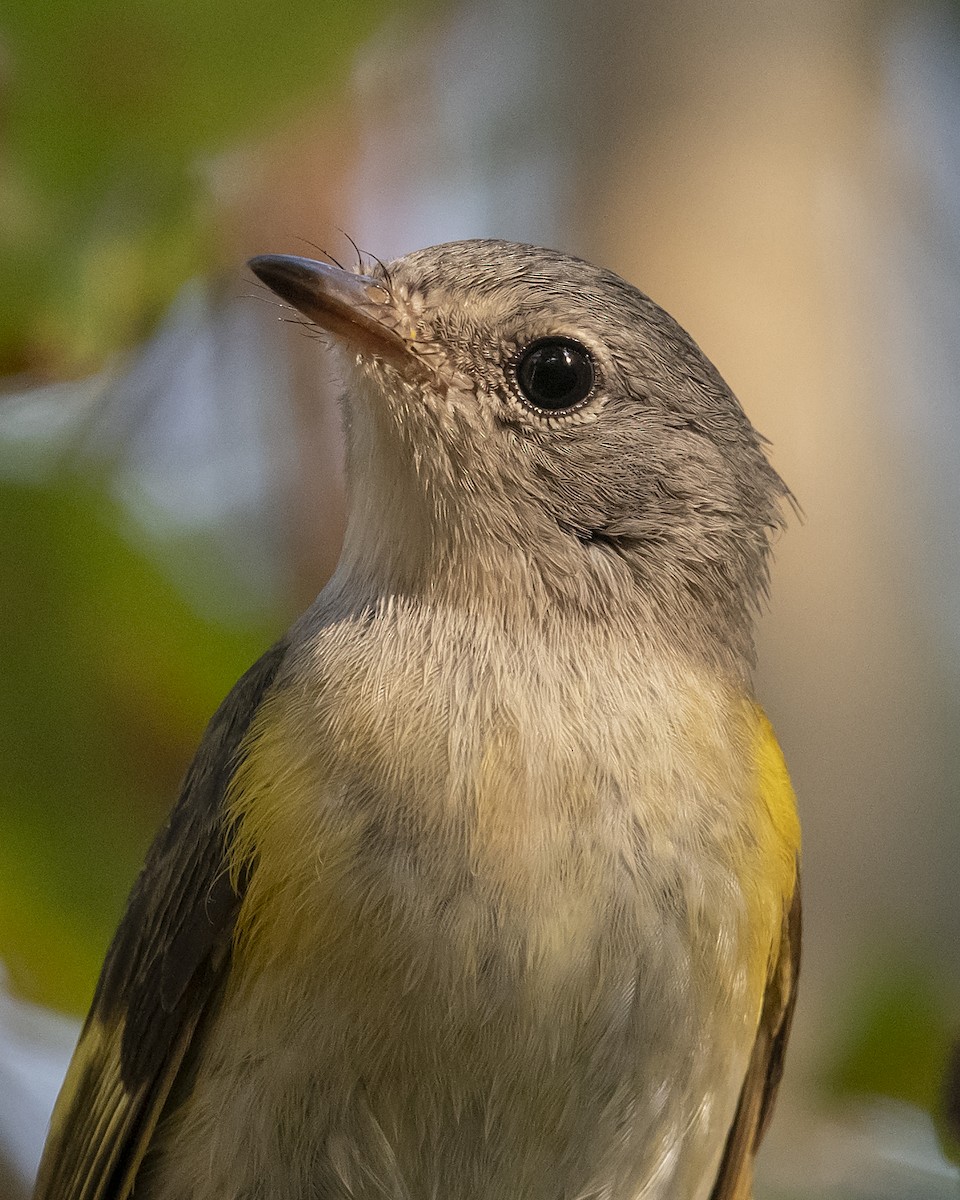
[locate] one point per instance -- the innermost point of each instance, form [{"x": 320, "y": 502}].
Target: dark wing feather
[
  {"x": 735, "y": 1177},
  {"x": 164, "y": 968}
]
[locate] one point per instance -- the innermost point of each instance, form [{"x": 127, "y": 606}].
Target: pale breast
[{"x": 506, "y": 936}]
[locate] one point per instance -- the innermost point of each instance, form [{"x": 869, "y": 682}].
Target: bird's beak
[{"x": 354, "y": 307}]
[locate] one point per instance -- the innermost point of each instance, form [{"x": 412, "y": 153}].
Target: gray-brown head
[{"x": 525, "y": 429}]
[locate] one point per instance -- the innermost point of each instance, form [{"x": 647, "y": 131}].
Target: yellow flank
[
  {"x": 291, "y": 897},
  {"x": 732, "y": 742},
  {"x": 778, "y": 825},
  {"x": 776, "y": 793}
]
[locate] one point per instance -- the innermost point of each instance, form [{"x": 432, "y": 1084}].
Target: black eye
[{"x": 555, "y": 374}]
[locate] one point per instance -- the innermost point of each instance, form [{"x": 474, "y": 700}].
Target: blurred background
[{"x": 781, "y": 175}]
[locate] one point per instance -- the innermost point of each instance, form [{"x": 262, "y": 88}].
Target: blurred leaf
[
  {"x": 106, "y": 110},
  {"x": 899, "y": 1041},
  {"x": 109, "y": 678}
]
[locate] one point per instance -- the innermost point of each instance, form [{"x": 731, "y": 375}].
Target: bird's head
[{"x": 524, "y": 428}]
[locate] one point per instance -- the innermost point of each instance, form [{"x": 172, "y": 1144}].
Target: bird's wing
[
  {"x": 735, "y": 1177},
  {"x": 162, "y": 973}
]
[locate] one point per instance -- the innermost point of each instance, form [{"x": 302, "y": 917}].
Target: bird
[{"x": 484, "y": 882}]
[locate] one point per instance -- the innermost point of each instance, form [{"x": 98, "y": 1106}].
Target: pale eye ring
[{"x": 554, "y": 374}]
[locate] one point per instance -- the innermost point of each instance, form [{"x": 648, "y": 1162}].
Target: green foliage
[
  {"x": 899, "y": 1041},
  {"x": 109, "y": 678},
  {"x": 108, "y": 109}
]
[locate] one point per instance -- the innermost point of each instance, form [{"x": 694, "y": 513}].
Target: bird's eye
[{"x": 555, "y": 374}]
